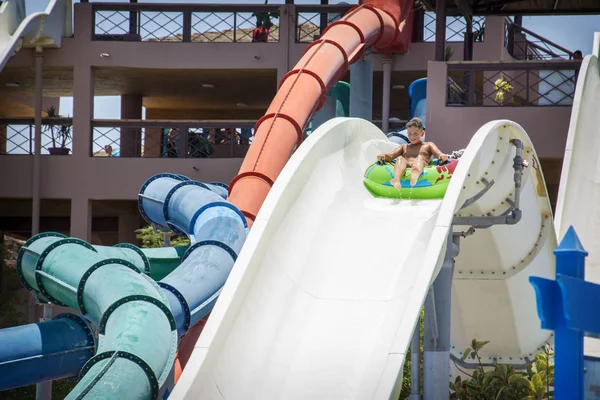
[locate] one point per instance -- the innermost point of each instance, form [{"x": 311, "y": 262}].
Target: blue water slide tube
[
  {"x": 217, "y": 231},
  {"x": 44, "y": 351}
]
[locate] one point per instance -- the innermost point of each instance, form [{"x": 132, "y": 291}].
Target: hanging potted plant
[
  {"x": 59, "y": 134},
  {"x": 502, "y": 87}
]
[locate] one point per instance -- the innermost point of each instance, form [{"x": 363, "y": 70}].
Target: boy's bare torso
[{"x": 421, "y": 152}]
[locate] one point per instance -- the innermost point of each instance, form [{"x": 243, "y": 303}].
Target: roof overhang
[{"x": 519, "y": 7}]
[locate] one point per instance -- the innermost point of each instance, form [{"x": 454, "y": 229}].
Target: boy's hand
[
  {"x": 381, "y": 158},
  {"x": 444, "y": 158}
]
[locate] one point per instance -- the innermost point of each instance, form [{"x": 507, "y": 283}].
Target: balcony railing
[
  {"x": 312, "y": 20},
  {"x": 455, "y": 28},
  {"x": 17, "y": 135},
  {"x": 523, "y": 44},
  {"x": 171, "y": 139},
  {"x": 519, "y": 84},
  {"x": 205, "y": 23}
]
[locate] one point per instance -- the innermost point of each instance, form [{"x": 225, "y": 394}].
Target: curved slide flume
[
  {"x": 44, "y": 351},
  {"x": 383, "y": 24},
  {"x": 334, "y": 316},
  {"x": 580, "y": 172},
  {"x": 45, "y": 28},
  {"x": 122, "y": 302}
]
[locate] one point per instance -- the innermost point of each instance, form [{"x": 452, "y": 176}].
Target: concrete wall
[{"x": 451, "y": 128}]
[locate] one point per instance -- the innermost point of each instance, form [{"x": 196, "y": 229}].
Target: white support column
[
  {"x": 326, "y": 113},
  {"x": 81, "y": 218},
  {"x": 35, "y": 197},
  {"x": 387, "y": 83},
  {"x": 361, "y": 90}
]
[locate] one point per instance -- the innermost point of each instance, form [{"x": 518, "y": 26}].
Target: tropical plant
[
  {"x": 502, "y": 86},
  {"x": 503, "y": 382},
  {"x": 59, "y": 134},
  {"x": 264, "y": 18},
  {"x": 152, "y": 238},
  {"x": 448, "y": 53}
]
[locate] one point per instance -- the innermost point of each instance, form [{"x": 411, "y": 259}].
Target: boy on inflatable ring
[{"x": 415, "y": 155}]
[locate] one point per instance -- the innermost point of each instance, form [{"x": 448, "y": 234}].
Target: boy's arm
[
  {"x": 437, "y": 153},
  {"x": 396, "y": 153}
]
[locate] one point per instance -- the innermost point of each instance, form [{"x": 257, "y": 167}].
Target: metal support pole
[
  {"x": 37, "y": 109},
  {"x": 415, "y": 357},
  {"x": 436, "y": 357},
  {"x": 43, "y": 390},
  {"x": 323, "y": 19},
  {"x": 387, "y": 84},
  {"x": 166, "y": 239},
  {"x": 468, "y": 46},
  {"x": 440, "y": 30}
]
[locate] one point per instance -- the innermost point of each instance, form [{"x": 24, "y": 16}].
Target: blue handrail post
[{"x": 568, "y": 349}]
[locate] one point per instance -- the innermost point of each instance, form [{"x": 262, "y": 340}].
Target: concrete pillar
[
  {"x": 361, "y": 90},
  {"x": 83, "y": 109},
  {"x": 387, "y": 83},
  {"x": 128, "y": 223},
  {"x": 131, "y": 138},
  {"x": 494, "y": 36},
  {"x": 84, "y": 25},
  {"x": 81, "y": 218},
  {"x": 436, "y": 103},
  {"x": 326, "y": 112}
]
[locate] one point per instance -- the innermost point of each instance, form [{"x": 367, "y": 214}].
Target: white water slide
[
  {"x": 581, "y": 173},
  {"x": 325, "y": 295},
  {"x": 45, "y": 29}
]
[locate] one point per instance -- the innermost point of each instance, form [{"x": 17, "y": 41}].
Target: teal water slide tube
[
  {"x": 59, "y": 348},
  {"x": 110, "y": 287}
]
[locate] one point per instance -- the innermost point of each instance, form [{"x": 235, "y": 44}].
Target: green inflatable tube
[{"x": 432, "y": 183}]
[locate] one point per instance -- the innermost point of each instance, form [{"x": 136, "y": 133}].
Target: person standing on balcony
[
  {"x": 260, "y": 34},
  {"x": 172, "y": 138}
]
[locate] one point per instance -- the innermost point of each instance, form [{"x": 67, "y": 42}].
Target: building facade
[{"x": 202, "y": 80}]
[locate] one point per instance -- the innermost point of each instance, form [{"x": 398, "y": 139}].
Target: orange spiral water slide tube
[
  {"x": 379, "y": 23},
  {"x": 384, "y": 24}
]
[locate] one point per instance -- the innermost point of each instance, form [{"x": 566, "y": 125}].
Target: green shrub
[
  {"x": 503, "y": 382},
  {"x": 151, "y": 238}
]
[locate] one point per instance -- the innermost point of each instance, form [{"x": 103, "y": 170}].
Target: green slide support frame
[{"x": 117, "y": 296}]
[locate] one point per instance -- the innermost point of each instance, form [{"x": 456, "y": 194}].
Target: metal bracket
[
  {"x": 513, "y": 214},
  {"x": 488, "y": 186}
]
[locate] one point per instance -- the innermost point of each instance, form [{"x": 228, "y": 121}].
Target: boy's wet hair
[{"x": 415, "y": 123}]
